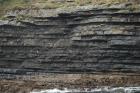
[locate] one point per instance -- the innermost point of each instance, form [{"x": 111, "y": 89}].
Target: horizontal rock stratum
[{"x": 77, "y": 49}]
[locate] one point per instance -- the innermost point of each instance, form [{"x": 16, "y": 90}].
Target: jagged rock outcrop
[{"x": 96, "y": 41}]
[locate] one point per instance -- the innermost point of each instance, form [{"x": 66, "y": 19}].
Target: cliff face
[{"x": 103, "y": 42}]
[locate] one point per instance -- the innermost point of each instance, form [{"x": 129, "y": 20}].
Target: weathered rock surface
[{"x": 96, "y": 41}]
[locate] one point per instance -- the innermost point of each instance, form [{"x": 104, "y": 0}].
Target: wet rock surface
[{"x": 95, "y": 41}]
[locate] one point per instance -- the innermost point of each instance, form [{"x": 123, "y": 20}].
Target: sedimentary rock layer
[{"x": 96, "y": 41}]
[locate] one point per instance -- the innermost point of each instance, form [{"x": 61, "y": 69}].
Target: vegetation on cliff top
[
  {"x": 52, "y": 4},
  {"x": 11, "y": 4}
]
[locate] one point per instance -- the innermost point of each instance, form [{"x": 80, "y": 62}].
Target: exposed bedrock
[{"x": 97, "y": 42}]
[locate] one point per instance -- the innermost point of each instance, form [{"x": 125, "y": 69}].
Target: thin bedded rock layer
[{"x": 96, "y": 41}]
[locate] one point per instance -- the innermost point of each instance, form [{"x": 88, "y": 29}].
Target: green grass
[
  {"x": 49, "y": 4},
  {"x": 11, "y": 4}
]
